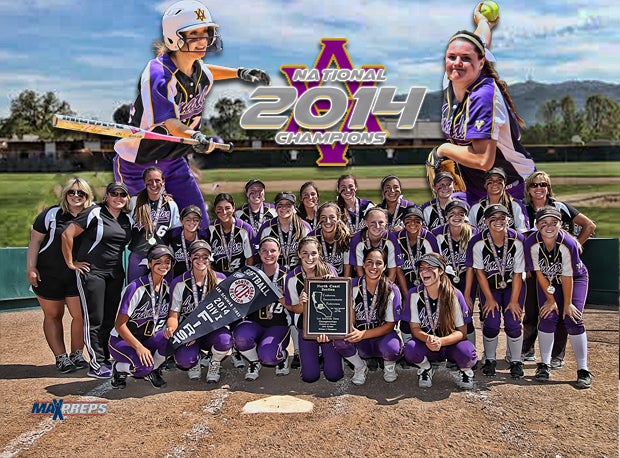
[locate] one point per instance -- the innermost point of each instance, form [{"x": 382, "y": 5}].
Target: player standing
[{"x": 172, "y": 92}]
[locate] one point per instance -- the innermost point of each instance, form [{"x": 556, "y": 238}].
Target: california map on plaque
[{"x": 320, "y": 306}]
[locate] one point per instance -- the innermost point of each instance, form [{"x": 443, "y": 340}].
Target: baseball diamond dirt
[{"x": 499, "y": 418}]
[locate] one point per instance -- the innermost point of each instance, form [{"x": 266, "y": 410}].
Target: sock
[
  {"x": 424, "y": 365},
  {"x": 158, "y": 359},
  {"x": 356, "y": 360},
  {"x": 579, "y": 343},
  {"x": 295, "y": 339},
  {"x": 545, "y": 345},
  {"x": 251, "y": 354},
  {"x": 514, "y": 345},
  {"x": 123, "y": 368},
  {"x": 490, "y": 346},
  {"x": 217, "y": 355},
  {"x": 472, "y": 338}
]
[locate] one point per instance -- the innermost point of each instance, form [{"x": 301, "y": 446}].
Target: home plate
[{"x": 278, "y": 404}]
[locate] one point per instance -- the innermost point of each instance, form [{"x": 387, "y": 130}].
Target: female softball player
[
  {"x": 154, "y": 213},
  {"x": 436, "y": 311},
  {"x": 104, "y": 231},
  {"x": 229, "y": 237},
  {"x": 255, "y": 211},
  {"x": 263, "y": 336},
  {"x": 137, "y": 342},
  {"x": 333, "y": 234},
  {"x": 375, "y": 301},
  {"x": 539, "y": 193},
  {"x": 295, "y": 298},
  {"x": 171, "y": 98},
  {"x": 496, "y": 254},
  {"x": 495, "y": 184},
  {"x": 50, "y": 278},
  {"x": 452, "y": 240},
  {"x": 562, "y": 289},
  {"x": 353, "y": 208},
  {"x": 478, "y": 115},
  {"x": 393, "y": 202},
  {"x": 435, "y": 209},
  {"x": 179, "y": 238},
  {"x": 307, "y": 209},
  {"x": 374, "y": 234},
  {"x": 187, "y": 292}
]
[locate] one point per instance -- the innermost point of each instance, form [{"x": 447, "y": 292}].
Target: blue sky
[{"x": 91, "y": 52}]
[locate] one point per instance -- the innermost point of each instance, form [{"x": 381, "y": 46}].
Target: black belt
[{"x": 365, "y": 326}]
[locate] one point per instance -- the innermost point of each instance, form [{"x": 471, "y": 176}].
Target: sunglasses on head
[
  {"x": 539, "y": 185},
  {"x": 118, "y": 193},
  {"x": 76, "y": 192}
]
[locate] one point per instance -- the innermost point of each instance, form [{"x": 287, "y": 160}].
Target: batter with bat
[
  {"x": 172, "y": 92},
  {"x": 479, "y": 117}
]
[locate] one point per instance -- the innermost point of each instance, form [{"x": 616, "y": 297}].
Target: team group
[{"x": 417, "y": 272}]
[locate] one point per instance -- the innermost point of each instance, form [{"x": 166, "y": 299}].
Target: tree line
[{"x": 560, "y": 122}]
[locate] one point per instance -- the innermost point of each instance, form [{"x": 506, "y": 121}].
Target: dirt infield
[{"x": 499, "y": 418}]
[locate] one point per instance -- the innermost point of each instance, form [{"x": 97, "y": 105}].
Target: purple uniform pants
[
  {"x": 492, "y": 323},
  {"x": 270, "y": 342},
  {"x": 122, "y": 352},
  {"x": 309, "y": 357},
  {"x": 180, "y": 181},
  {"x": 186, "y": 356},
  {"x": 580, "y": 291},
  {"x": 463, "y": 353},
  {"x": 388, "y": 347}
]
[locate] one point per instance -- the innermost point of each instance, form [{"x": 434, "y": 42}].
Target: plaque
[{"x": 329, "y": 309}]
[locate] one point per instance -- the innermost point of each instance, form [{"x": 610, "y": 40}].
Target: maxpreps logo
[
  {"x": 57, "y": 408},
  {"x": 317, "y": 109}
]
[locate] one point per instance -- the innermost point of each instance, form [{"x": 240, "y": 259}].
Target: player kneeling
[
  {"x": 439, "y": 331},
  {"x": 137, "y": 341}
]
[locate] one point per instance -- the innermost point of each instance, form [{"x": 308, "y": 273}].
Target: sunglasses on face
[
  {"x": 539, "y": 185},
  {"x": 118, "y": 194},
  {"x": 76, "y": 192}
]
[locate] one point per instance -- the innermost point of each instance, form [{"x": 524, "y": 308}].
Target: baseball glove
[{"x": 435, "y": 164}]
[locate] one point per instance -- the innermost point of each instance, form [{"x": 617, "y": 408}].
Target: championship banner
[{"x": 243, "y": 292}]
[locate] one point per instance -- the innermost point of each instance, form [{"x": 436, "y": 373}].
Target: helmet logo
[{"x": 200, "y": 14}]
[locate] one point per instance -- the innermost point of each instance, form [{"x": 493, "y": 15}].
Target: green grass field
[{"x": 23, "y": 196}]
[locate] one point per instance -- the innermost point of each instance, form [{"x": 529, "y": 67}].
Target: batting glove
[
  {"x": 433, "y": 160},
  {"x": 253, "y": 75},
  {"x": 206, "y": 144}
]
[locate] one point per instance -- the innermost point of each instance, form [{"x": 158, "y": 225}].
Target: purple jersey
[
  {"x": 481, "y": 256},
  {"x": 366, "y": 310},
  {"x": 256, "y": 219},
  {"x": 456, "y": 256},
  {"x": 165, "y": 93},
  {"x": 142, "y": 306},
  {"x": 409, "y": 252},
  {"x": 288, "y": 243},
  {"x": 361, "y": 242},
  {"x": 180, "y": 247},
  {"x": 483, "y": 114},
  {"x": 294, "y": 284},
  {"x": 230, "y": 252},
  {"x": 331, "y": 254},
  {"x": 354, "y": 217},
  {"x": 562, "y": 260},
  {"x": 273, "y": 314},
  {"x": 418, "y": 313}
]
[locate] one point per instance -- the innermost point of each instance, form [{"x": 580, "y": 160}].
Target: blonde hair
[
  {"x": 529, "y": 180},
  {"x": 322, "y": 268},
  {"x": 142, "y": 210},
  {"x": 83, "y": 186},
  {"x": 343, "y": 235}
]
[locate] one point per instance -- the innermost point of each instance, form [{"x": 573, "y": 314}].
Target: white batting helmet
[{"x": 184, "y": 16}]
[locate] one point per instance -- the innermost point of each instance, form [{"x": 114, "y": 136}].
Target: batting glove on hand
[
  {"x": 253, "y": 75},
  {"x": 206, "y": 144},
  {"x": 433, "y": 160}
]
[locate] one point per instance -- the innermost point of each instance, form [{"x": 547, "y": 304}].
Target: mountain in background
[{"x": 529, "y": 96}]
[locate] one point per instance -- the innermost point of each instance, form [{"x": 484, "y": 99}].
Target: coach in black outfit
[{"x": 104, "y": 232}]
